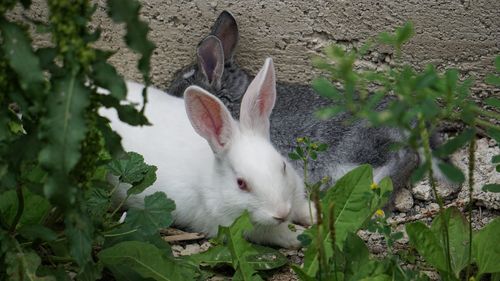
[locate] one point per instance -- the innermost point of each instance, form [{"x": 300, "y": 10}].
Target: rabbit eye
[{"x": 242, "y": 184}]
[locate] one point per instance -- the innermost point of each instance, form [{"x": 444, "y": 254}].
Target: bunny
[
  {"x": 215, "y": 167},
  {"x": 350, "y": 144}
]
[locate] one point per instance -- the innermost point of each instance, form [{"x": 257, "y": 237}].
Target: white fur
[{"x": 203, "y": 181}]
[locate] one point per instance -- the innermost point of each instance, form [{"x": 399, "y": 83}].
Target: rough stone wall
[{"x": 461, "y": 33}]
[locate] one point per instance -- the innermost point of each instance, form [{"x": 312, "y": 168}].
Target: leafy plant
[{"x": 415, "y": 101}]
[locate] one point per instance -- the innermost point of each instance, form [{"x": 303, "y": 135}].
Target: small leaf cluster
[{"x": 234, "y": 250}]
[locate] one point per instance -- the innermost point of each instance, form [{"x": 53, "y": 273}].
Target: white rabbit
[{"x": 215, "y": 167}]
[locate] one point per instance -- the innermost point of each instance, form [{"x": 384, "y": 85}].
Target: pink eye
[{"x": 242, "y": 184}]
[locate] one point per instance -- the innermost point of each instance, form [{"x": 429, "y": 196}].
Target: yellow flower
[
  {"x": 314, "y": 146},
  {"x": 380, "y": 213},
  {"x": 300, "y": 140},
  {"x": 373, "y": 186}
]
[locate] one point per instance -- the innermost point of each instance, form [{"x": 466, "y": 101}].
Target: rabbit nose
[{"x": 282, "y": 215}]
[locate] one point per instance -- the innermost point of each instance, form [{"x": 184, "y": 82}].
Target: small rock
[
  {"x": 176, "y": 250},
  {"x": 433, "y": 206},
  {"x": 403, "y": 201},
  {"x": 422, "y": 192},
  {"x": 190, "y": 250},
  {"x": 205, "y": 246}
]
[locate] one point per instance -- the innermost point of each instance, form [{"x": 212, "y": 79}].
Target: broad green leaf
[
  {"x": 146, "y": 260},
  {"x": 130, "y": 169},
  {"x": 455, "y": 143},
  {"x": 17, "y": 48},
  {"x": 352, "y": 198},
  {"x": 491, "y": 187},
  {"x": 458, "y": 230},
  {"x": 451, "y": 172},
  {"x": 265, "y": 259},
  {"x": 147, "y": 181},
  {"x": 37, "y": 231},
  {"x": 427, "y": 244},
  {"x": 22, "y": 266},
  {"x": 35, "y": 208},
  {"x": 65, "y": 129},
  {"x": 79, "y": 232},
  {"x": 157, "y": 213},
  {"x": 495, "y": 134},
  {"x": 486, "y": 248}
]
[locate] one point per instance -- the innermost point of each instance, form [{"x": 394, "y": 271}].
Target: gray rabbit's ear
[
  {"x": 226, "y": 29},
  {"x": 209, "y": 118},
  {"x": 211, "y": 60},
  {"x": 259, "y": 99}
]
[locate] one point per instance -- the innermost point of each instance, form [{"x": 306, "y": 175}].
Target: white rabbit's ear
[
  {"x": 211, "y": 60},
  {"x": 258, "y": 101},
  {"x": 226, "y": 29},
  {"x": 209, "y": 118}
]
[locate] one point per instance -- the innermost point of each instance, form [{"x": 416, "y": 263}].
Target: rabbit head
[
  {"x": 215, "y": 69},
  {"x": 260, "y": 179}
]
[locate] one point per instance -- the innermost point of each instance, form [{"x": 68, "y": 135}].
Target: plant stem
[
  {"x": 120, "y": 234},
  {"x": 119, "y": 206},
  {"x": 472, "y": 162},
  {"x": 321, "y": 250},
  {"x": 486, "y": 124},
  {"x": 424, "y": 134},
  {"x": 331, "y": 228},
  {"x": 487, "y": 113},
  {"x": 20, "y": 209}
]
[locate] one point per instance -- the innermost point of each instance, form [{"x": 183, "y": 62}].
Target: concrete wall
[{"x": 457, "y": 33}]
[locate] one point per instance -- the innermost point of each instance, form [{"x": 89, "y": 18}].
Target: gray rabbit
[{"x": 349, "y": 145}]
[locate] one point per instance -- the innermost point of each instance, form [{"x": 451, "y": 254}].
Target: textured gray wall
[{"x": 462, "y": 34}]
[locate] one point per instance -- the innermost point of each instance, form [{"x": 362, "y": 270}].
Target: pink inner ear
[
  {"x": 208, "y": 118},
  {"x": 265, "y": 101}
]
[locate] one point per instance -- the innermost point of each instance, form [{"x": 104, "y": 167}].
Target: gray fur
[{"x": 350, "y": 144}]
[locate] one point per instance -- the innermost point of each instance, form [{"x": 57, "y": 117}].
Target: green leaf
[
  {"x": 22, "y": 266},
  {"x": 293, "y": 156},
  {"x": 127, "y": 113},
  {"x": 65, "y": 129},
  {"x": 146, "y": 260},
  {"x": 404, "y": 33},
  {"x": 486, "y": 249},
  {"x": 155, "y": 215},
  {"x": 238, "y": 247},
  {"x": 17, "y": 48},
  {"x": 301, "y": 273},
  {"x": 495, "y": 102},
  {"x": 37, "y": 231},
  {"x": 455, "y": 143},
  {"x": 419, "y": 172},
  {"x": 147, "y": 181},
  {"x": 131, "y": 169},
  {"x": 105, "y": 76},
  {"x": 491, "y": 187},
  {"x": 136, "y": 31},
  {"x": 458, "y": 229},
  {"x": 35, "y": 209},
  {"x": 325, "y": 88},
  {"x": 352, "y": 198},
  {"x": 265, "y": 259},
  {"x": 79, "y": 232},
  {"x": 495, "y": 134},
  {"x": 451, "y": 172},
  {"x": 427, "y": 244}
]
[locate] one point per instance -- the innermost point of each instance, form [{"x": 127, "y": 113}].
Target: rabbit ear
[
  {"x": 226, "y": 29},
  {"x": 209, "y": 118},
  {"x": 258, "y": 101},
  {"x": 211, "y": 60}
]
